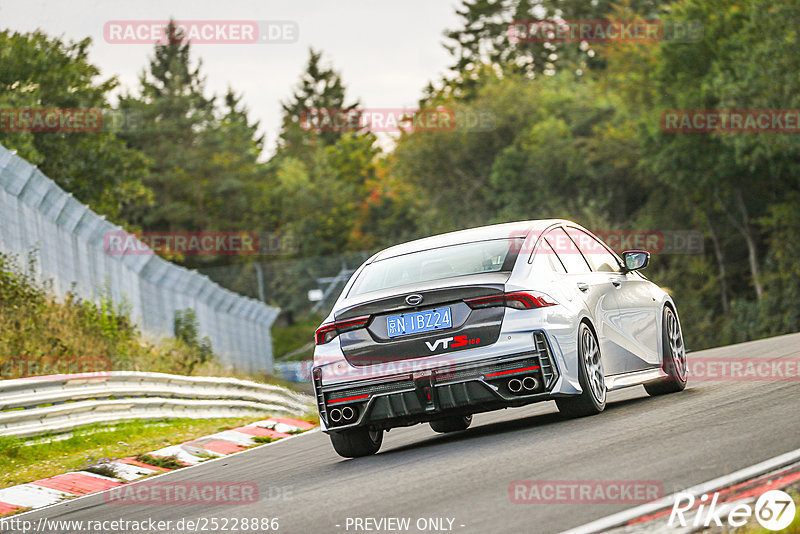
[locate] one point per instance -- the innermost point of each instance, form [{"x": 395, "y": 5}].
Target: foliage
[
  {"x": 105, "y": 470},
  {"x": 186, "y": 331},
  {"x": 573, "y": 132},
  {"x": 25, "y": 460},
  {"x": 41, "y": 335},
  {"x": 320, "y": 90},
  {"x": 293, "y": 337},
  {"x": 40, "y": 72},
  {"x": 483, "y": 49},
  {"x": 203, "y": 152},
  {"x": 167, "y": 462}
]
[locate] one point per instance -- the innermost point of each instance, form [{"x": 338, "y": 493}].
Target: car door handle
[{"x": 583, "y": 286}]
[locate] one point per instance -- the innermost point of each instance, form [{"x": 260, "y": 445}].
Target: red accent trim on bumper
[
  {"x": 499, "y": 373},
  {"x": 356, "y": 397}
]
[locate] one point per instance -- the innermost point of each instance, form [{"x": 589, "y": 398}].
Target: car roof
[{"x": 471, "y": 235}]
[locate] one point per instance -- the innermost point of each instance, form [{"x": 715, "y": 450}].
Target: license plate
[{"x": 417, "y": 322}]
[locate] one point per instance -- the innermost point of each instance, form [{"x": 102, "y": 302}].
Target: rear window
[{"x": 438, "y": 264}]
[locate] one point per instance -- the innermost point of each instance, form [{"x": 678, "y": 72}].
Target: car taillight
[
  {"x": 520, "y": 300},
  {"x": 327, "y": 332}
]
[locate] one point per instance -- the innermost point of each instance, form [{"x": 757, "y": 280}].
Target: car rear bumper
[{"x": 452, "y": 389}]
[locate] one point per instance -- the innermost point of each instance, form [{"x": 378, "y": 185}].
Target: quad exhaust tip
[
  {"x": 529, "y": 383},
  {"x": 344, "y": 415},
  {"x": 516, "y": 385}
]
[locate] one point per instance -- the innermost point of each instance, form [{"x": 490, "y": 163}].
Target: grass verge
[
  {"x": 753, "y": 527},
  {"x": 24, "y": 461},
  {"x": 287, "y": 339},
  {"x": 264, "y": 439},
  {"x": 42, "y": 335}
]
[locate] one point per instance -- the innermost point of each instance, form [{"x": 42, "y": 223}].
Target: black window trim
[
  {"x": 541, "y": 236},
  {"x": 560, "y": 262},
  {"x": 620, "y": 265},
  {"x": 564, "y": 227}
]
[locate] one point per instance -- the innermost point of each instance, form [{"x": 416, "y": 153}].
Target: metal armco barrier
[{"x": 58, "y": 403}]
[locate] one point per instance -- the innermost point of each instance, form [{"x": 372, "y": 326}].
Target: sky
[{"x": 386, "y": 52}]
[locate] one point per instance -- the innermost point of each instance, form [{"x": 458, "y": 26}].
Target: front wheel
[
  {"x": 591, "y": 377},
  {"x": 357, "y": 442},
  {"x": 674, "y": 357},
  {"x": 451, "y": 424}
]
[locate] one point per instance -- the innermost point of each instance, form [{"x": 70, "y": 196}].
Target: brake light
[
  {"x": 520, "y": 300},
  {"x": 327, "y": 332}
]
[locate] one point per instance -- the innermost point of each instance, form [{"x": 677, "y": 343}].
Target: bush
[
  {"x": 102, "y": 470},
  {"x": 167, "y": 462},
  {"x": 10, "y": 446},
  {"x": 47, "y": 336}
]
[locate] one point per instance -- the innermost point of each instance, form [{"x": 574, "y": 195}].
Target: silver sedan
[{"x": 438, "y": 329}]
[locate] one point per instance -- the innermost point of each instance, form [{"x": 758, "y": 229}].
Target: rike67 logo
[{"x": 774, "y": 510}]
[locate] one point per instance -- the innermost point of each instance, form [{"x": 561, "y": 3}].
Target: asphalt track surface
[{"x": 680, "y": 440}]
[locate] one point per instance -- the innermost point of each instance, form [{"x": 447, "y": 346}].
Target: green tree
[
  {"x": 204, "y": 151},
  {"x": 322, "y": 177},
  {"x": 543, "y": 156},
  {"x": 736, "y": 175},
  {"x": 320, "y": 90},
  {"x": 175, "y": 112},
  {"x": 482, "y": 46},
  {"x": 236, "y": 186},
  {"x": 723, "y": 183},
  {"x": 39, "y": 72}
]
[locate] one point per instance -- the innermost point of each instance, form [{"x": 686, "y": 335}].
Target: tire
[
  {"x": 451, "y": 424},
  {"x": 673, "y": 356},
  {"x": 357, "y": 442},
  {"x": 591, "y": 377}
]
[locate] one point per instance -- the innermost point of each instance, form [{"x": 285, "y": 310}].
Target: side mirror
[{"x": 635, "y": 259}]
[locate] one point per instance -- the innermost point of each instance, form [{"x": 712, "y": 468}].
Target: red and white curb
[
  {"x": 741, "y": 487},
  {"x": 55, "y": 489}
]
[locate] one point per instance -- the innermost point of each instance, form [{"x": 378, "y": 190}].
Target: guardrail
[{"x": 58, "y": 403}]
